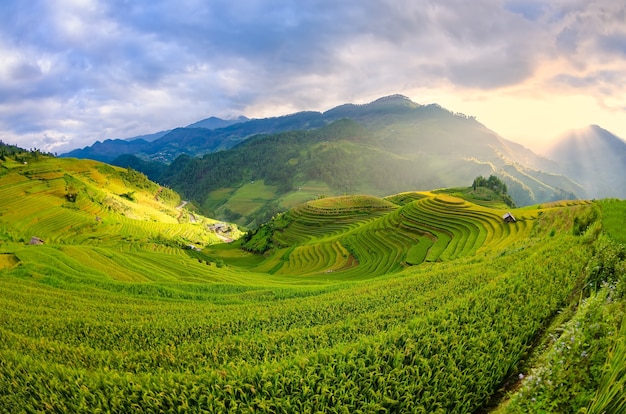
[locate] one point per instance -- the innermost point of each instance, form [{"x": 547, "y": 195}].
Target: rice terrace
[{"x": 418, "y": 302}]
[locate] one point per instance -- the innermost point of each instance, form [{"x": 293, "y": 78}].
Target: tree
[{"x": 496, "y": 185}]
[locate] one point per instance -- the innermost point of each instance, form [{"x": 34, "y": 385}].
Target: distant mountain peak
[
  {"x": 608, "y": 135},
  {"x": 594, "y": 157},
  {"x": 590, "y": 134},
  {"x": 215, "y": 122},
  {"x": 394, "y": 98}
]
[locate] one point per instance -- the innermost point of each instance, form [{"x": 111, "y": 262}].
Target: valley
[
  {"x": 414, "y": 301},
  {"x": 383, "y": 147}
]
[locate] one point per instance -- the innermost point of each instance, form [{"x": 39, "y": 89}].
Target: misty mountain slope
[
  {"x": 396, "y": 117},
  {"x": 595, "y": 158},
  {"x": 424, "y": 147}
]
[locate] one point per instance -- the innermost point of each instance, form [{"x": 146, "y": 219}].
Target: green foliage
[
  {"x": 572, "y": 370},
  {"x": 614, "y": 219},
  {"x": 583, "y": 221},
  {"x": 72, "y": 188},
  {"x": 138, "y": 179},
  {"x": 169, "y": 196},
  {"x": 494, "y": 184},
  {"x": 7, "y": 150},
  {"x": 610, "y": 396},
  {"x": 607, "y": 264},
  {"x": 261, "y": 239},
  {"x": 21, "y": 155},
  {"x": 130, "y": 196},
  {"x": 583, "y": 370},
  {"x": 153, "y": 170}
]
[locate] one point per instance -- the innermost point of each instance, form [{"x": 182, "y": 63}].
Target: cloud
[{"x": 77, "y": 71}]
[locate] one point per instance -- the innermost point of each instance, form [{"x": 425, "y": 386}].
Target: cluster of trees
[
  {"x": 19, "y": 154},
  {"x": 137, "y": 179},
  {"x": 493, "y": 183},
  {"x": 496, "y": 185}
]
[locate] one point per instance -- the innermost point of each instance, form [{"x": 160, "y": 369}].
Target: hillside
[
  {"x": 421, "y": 301},
  {"x": 595, "y": 158},
  {"x": 68, "y": 202},
  {"x": 389, "y": 145},
  {"x": 365, "y": 236},
  {"x": 421, "y": 149}
]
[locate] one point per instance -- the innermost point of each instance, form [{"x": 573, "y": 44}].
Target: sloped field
[
  {"x": 34, "y": 203},
  {"x": 178, "y": 334},
  {"x": 368, "y": 236},
  {"x": 362, "y": 305}
]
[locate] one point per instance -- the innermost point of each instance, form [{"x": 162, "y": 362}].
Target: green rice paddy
[{"x": 420, "y": 302}]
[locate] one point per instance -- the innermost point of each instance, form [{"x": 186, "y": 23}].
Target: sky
[{"x": 77, "y": 71}]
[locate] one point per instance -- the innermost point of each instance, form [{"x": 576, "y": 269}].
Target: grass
[
  {"x": 614, "y": 219},
  {"x": 306, "y": 191},
  {"x": 250, "y": 197},
  {"x": 420, "y": 302},
  {"x": 8, "y": 260}
]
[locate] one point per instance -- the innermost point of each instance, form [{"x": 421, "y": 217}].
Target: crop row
[
  {"x": 309, "y": 224},
  {"x": 437, "y": 339},
  {"x": 427, "y": 229}
]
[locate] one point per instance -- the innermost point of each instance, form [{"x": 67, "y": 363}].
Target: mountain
[
  {"x": 196, "y": 141},
  {"x": 390, "y": 145},
  {"x": 215, "y": 134},
  {"x": 595, "y": 158},
  {"x": 108, "y": 150},
  {"x": 215, "y": 123},
  {"x": 209, "y": 123},
  {"x": 149, "y": 137}
]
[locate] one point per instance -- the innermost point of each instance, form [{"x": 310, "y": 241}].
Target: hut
[
  {"x": 509, "y": 218},
  {"x": 35, "y": 241}
]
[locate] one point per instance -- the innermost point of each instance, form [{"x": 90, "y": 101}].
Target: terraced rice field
[
  {"x": 364, "y": 240},
  {"x": 425, "y": 304}
]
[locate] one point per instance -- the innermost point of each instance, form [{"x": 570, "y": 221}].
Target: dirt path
[{"x": 180, "y": 207}]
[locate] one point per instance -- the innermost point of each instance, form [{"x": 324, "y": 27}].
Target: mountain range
[{"x": 246, "y": 170}]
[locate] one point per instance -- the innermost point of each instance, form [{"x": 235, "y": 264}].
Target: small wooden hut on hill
[{"x": 509, "y": 218}]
